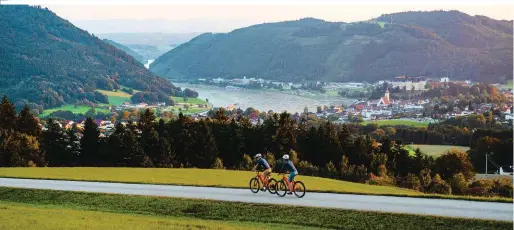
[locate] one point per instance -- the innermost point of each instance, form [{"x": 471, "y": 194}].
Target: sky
[{"x": 179, "y": 16}]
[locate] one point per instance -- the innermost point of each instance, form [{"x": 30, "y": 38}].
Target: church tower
[{"x": 386, "y": 95}]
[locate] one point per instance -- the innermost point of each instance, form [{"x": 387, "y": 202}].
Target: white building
[
  {"x": 404, "y": 82},
  {"x": 218, "y": 80}
]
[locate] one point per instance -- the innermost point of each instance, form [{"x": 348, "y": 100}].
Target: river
[
  {"x": 148, "y": 62},
  {"x": 263, "y": 100}
]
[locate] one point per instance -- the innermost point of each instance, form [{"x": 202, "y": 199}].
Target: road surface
[{"x": 424, "y": 206}]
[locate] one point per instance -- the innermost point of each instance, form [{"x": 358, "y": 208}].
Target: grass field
[
  {"x": 434, "y": 150},
  {"x": 194, "y": 101},
  {"x": 79, "y": 109},
  {"x": 397, "y": 122},
  {"x": 23, "y": 216},
  {"x": 27, "y": 208},
  {"x": 116, "y": 98},
  {"x": 332, "y": 93},
  {"x": 212, "y": 178},
  {"x": 118, "y": 93}
]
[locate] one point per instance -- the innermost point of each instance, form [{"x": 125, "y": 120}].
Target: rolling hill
[
  {"x": 432, "y": 44},
  {"x": 46, "y": 62},
  {"x": 127, "y": 50}
]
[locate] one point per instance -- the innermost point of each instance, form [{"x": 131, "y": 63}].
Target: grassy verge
[
  {"x": 434, "y": 150},
  {"x": 397, "y": 122},
  {"x": 238, "y": 212},
  {"x": 213, "y": 178},
  {"x": 26, "y": 216}
]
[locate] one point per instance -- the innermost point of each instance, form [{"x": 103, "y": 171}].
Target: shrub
[
  {"x": 425, "y": 179},
  {"x": 293, "y": 156},
  {"x": 147, "y": 162},
  {"x": 330, "y": 171},
  {"x": 306, "y": 168},
  {"x": 355, "y": 173},
  {"x": 246, "y": 162},
  {"x": 382, "y": 171},
  {"x": 458, "y": 184},
  {"x": 439, "y": 186},
  {"x": 477, "y": 191},
  {"x": 482, "y": 183},
  {"x": 454, "y": 162},
  {"x": 502, "y": 187},
  {"x": 362, "y": 173},
  {"x": 410, "y": 181},
  {"x": 271, "y": 159},
  {"x": 218, "y": 164},
  {"x": 31, "y": 164},
  {"x": 381, "y": 180}
]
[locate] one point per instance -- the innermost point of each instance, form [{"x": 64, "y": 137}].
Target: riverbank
[{"x": 264, "y": 99}]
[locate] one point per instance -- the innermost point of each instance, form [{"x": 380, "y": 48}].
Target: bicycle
[
  {"x": 255, "y": 183},
  {"x": 283, "y": 187}
]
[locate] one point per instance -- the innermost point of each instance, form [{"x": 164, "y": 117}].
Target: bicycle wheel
[
  {"x": 254, "y": 185},
  {"x": 299, "y": 189},
  {"x": 281, "y": 188},
  {"x": 272, "y": 186}
]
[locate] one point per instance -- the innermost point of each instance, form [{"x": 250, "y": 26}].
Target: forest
[
  {"x": 45, "y": 62},
  {"x": 347, "y": 152}
]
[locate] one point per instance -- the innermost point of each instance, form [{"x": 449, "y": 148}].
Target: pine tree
[
  {"x": 166, "y": 157},
  {"x": 7, "y": 115},
  {"x": 204, "y": 149},
  {"x": 147, "y": 119},
  {"x": 72, "y": 145},
  {"x": 114, "y": 146},
  {"x": 134, "y": 155},
  {"x": 89, "y": 143},
  {"x": 27, "y": 123},
  {"x": 150, "y": 144},
  {"x": 235, "y": 138},
  {"x": 54, "y": 145}
]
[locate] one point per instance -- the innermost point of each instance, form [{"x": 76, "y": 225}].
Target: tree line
[{"x": 229, "y": 142}]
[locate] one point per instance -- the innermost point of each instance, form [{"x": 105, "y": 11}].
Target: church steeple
[{"x": 386, "y": 95}]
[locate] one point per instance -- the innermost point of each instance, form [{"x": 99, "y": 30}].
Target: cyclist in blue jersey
[
  {"x": 289, "y": 166},
  {"x": 262, "y": 164}
]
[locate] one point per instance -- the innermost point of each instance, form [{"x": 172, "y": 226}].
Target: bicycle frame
[
  {"x": 261, "y": 178},
  {"x": 284, "y": 178}
]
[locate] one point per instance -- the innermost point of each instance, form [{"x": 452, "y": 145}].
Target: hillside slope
[
  {"x": 46, "y": 61},
  {"x": 127, "y": 50},
  {"x": 430, "y": 44}
]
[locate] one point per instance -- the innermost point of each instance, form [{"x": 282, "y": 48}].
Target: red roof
[{"x": 386, "y": 101}]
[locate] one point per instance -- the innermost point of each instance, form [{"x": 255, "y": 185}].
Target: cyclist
[
  {"x": 263, "y": 164},
  {"x": 289, "y": 166}
]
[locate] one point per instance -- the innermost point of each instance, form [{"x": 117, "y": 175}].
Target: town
[{"x": 407, "y": 100}]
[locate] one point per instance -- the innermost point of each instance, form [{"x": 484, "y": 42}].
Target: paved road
[{"x": 438, "y": 207}]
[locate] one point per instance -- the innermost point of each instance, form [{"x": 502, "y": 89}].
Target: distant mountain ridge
[
  {"x": 432, "y": 44},
  {"x": 45, "y": 61},
  {"x": 150, "y": 45}
]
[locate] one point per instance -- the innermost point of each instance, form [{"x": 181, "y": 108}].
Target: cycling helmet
[
  {"x": 285, "y": 157},
  {"x": 258, "y": 155}
]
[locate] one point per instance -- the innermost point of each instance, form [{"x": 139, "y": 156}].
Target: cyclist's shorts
[
  {"x": 266, "y": 172},
  {"x": 292, "y": 175}
]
